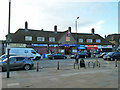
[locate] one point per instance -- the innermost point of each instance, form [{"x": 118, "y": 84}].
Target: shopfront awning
[
  {"x": 81, "y": 47},
  {"x": 92, "y": 48}
]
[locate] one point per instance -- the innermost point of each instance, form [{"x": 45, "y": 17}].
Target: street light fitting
[{"x": 77, "y": 17}]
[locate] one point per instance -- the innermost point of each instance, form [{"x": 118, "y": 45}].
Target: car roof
[{"x": 18, "y": 56}]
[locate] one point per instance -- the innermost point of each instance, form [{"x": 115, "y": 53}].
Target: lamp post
[
  {"x": 76, "y": 26},
  {"x": 76, "y": 23},
  {"x": 8, "y": 45}
]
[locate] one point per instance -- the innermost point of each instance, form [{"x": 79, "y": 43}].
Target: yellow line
[{"x": 107, "y": 62}]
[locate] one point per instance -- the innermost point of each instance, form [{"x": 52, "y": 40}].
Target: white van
[{"x": 28, "y": 52}]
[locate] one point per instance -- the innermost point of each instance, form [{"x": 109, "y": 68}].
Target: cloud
[{"x": 87, "y": 29}]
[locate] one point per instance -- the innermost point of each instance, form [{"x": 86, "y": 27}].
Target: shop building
[
  {"x": 55, "y": 41},
  {"x": 115, "y": 40}
]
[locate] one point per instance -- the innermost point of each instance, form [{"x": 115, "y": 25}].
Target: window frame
[
  {"x": 28, "y": 38},
  {"x": 51, "y": 39},
  {"x": 41, "y": 39}
]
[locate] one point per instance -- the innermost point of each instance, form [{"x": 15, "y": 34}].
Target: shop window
[
  {"x": 40, "y": 39},
  {"x": 51, "y": 39},
  {"x": 28, "y": 38},
  {"x": 89, "y": 40},
  {"x": 98, "y": 41},
  {"x": 80, "y": 40}
]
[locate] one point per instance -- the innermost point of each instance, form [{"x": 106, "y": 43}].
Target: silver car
[{"x": 17, "y": 62}]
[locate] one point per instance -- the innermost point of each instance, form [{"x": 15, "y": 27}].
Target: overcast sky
[{"x": 44, "y": 14}]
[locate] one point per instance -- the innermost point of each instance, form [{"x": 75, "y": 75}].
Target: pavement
[{"x": 105, "y": 76}]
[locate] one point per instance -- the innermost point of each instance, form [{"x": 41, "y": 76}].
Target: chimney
[
  {"x": 69, "y": 28},
  {"x": 42, "y": 29},
  {"x": 26, "y": 26},
  {"x": 55, "y": 28},
  {"x": 93, "y": 31},
  {"x": 105, "y": 36}
]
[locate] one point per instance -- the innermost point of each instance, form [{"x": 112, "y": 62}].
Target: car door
[
  {"x": 19, "y": 62},
  {"x": 12, "y": 62}
]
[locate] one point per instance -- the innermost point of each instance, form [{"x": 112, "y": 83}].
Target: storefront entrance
[{"x": 67, "y": 50}]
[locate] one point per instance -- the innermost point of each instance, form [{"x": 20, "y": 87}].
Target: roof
[{"x": 19, "y": 36}]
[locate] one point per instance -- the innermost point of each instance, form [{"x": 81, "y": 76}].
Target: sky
[{"x": 44, "y": 14}]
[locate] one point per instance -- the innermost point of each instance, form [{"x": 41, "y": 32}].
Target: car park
[
  {"x": 112, "y": 56},
  {"x": 57, "y": 56},
  {"x": 17, "y": 62}
]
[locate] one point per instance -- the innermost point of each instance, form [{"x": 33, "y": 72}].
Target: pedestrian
[{"x": 77, "y": 58}]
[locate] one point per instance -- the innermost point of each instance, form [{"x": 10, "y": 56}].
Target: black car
[
  {"x": 112, "y": 56},
  {"x": 57, "y": 56},
  {"x": 101, "y": 55},
  {"x": 81, "y": 55}
]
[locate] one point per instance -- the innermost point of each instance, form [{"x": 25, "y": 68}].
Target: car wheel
[
  {"x": 53, "y": 57},
  {"x": 27, "y": 67},
  {"x": 37, "y": 58},
  {"x": 64, "y": 57}
]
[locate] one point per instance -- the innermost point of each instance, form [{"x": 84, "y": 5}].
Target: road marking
[{"x": 13, "y": 84}]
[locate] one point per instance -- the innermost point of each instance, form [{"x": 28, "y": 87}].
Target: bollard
[
  {"x": 58, "y": 65},
  {"x": 78, "y": 66},
  {"x": 96, "y": 62},
  {"x": 107, "y": 61},
  {"x": 115, "y": 62},
  {"x": 74, "y": 65},
  {"x": 37, "y": 66}
]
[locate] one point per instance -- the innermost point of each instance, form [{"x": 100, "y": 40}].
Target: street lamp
[
  {"x": 76, "y": 23},
  {"x": 8, "y": 45},
  {"x": 76, "y": 26}
]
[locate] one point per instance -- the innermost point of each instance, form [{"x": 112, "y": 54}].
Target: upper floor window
[
  {"x": 28, "y": 38},
  {"x": 80, "y": 40},
  {"x": 89, "y": 40},
  {"x": 40, "y": 39},
  {"x": 119, "y": 40},
  {"x": 98, "y": 41},
  {"x": 51, "y": 39}
]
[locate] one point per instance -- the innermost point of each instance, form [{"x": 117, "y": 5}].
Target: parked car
[
  {"x": 17, "y": 62},
  {"x": 81, "y": 55},
  {"x": 101, "y": 55},
  {"x": 5, "y": 56},
  {"x": 112, "y": 56},
  {"x": 57, "y": 56}
]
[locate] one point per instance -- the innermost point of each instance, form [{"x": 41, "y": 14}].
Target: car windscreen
[{"x": 110, "y": 53}]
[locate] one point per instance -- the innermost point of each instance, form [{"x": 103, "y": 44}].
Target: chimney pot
[
  {"x": 93, "y": 31},
  {"x": 55, "y": 28},
  {"x": 69, "y": 28},
  {"x": 26, "y": 26}
]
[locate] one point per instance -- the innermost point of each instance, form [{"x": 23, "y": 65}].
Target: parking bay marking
[{"x": 13, "y": 84}]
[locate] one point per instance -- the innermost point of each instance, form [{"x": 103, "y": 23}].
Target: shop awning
[
  {"x": 81, "y": 47},
  {"x": 92, "y": 48}
]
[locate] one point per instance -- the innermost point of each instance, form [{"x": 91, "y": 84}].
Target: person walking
[{"x": 77, "y": 58}]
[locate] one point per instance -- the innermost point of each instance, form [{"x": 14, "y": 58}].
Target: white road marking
[{"x": 13, "y": 84}]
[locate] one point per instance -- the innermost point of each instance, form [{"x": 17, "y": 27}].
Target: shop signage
[
  {"x": 41, "y": 45},
  {"x": 53, "y": 45},
  {"x": 107, "y": 46},
  {"x": 17, "y": 45},
  {"x": 81, "y": 47},
  {"x": 92, "y": 47},
  {"x": 69, "y": 45}
]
